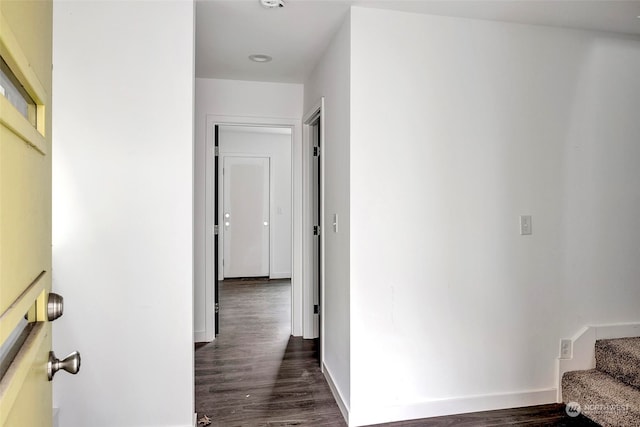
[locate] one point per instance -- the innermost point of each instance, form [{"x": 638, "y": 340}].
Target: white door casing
[
  {"x": 297, "y": 214},
  {"x": 311, "y": 328}
]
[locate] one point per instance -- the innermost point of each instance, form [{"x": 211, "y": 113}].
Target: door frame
[
  {"x": 221, "y": 196},
  {"x": 315, "y": 112},
  {"x": 297, "y": 214}
]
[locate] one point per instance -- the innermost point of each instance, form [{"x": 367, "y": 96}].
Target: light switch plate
[{"x": 525, "y": 225}]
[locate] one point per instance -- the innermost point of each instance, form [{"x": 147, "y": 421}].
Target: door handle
[
  {"x": 55, "y": 306},
  {"x": 71, "y": 364}
]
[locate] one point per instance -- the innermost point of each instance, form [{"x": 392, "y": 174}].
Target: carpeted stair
[{"x": 610, "y": 393}]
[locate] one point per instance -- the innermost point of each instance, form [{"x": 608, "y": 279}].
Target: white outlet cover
[{"x": 566, "y": 349}]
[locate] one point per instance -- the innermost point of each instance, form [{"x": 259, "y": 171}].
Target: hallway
[{"x": 255, "y": 373}]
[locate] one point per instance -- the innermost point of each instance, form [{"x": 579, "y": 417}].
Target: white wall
[
  {"x": 242, "y": 102},
  {"x": 276, "y": 144},
  {"x": 122, "y": 211},
  {"x": 457, "y": 128},
  {"x": 331, "y": 80}
]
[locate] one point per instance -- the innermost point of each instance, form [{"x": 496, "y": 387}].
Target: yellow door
[{"x": 25, "y": 212}]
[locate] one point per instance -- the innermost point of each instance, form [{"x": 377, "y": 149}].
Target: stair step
[
  {"x": 602, "y": 398},
  {"x": 620, "y": 358}
]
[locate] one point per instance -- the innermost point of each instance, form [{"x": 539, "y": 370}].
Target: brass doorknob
[{"x": 71, "y": 364}]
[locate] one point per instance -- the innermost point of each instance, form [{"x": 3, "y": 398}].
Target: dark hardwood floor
[
  {"x": 256, "y": 374},
  {"x": 533, "y": 416}
]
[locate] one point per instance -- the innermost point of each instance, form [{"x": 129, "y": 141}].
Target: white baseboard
[
  {"x": 56, "y": 419},
  {"x": 583, "y": 347},
  {"x": 281, "y": 275},
  {"x": 459, "y": 405},
  {"x": 344, "y": 409},
  {"x": 200, "y": 336}
]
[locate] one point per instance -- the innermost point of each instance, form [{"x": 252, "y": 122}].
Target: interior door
[
  {"x": 25, "y": 212},
  {"x": 246, "y": 216}
]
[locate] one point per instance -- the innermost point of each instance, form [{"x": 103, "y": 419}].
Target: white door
[{"x": 246, "y": 217}]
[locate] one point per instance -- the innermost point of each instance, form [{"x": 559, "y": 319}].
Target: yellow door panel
[
  {"x": 24, "y": 216},
  {"x": 25, "y": 304},
  {"x": 25, "y": 211},
  {"x": 14, "y": 121},
  {"x": 25, "y": 399},
  {"x": 30, "y": 23}
]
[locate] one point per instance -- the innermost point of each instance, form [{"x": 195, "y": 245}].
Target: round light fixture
[
  {"x": 271, "y": 4},
  {"x": 260, "y": 58}
]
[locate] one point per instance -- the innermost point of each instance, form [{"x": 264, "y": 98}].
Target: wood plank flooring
[
  {"x": 534, "y": 416},
  {"x": 256, "y": 374}
]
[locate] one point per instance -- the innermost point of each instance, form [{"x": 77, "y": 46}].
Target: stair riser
[
  {"x": 604, "y": 400},
  {"x": 620, "y": 358}
]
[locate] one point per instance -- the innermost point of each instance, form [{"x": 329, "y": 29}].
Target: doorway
[
  {"x": 316, "y": 218},
  {"x": 315, "y": 226},
  {"x": 253, "y": 211},
  {"x": 205, "y": 295}
]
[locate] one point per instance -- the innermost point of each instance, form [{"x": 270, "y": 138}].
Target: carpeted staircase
[{"x": 610, "y": 393}]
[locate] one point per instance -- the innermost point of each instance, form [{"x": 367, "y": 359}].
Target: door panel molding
[
  {"x": 30, "y": 355},
  {"x": 14, "y": 56},
  {"x": 20, "y": 126},
  {"x": 16, "y": 311}
]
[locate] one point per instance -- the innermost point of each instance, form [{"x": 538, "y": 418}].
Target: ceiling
[{"x": 228, "y": 31}]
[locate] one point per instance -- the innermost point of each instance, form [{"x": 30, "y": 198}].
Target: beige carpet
[{"x": 609, "y": 394}]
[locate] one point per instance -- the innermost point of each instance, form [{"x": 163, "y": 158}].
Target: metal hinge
[
  {"x": 216, "y": 229},
  {"x": 217, "y": 308},
  {"x": 316, "y": 309},
  {"x": 316, "y": 151},
  {"x": 316, "y": 230},
  {"x": 216, "y": 151}
]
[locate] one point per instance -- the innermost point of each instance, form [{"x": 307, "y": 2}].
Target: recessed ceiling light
[
  {"x": 271, "y": 4},
  {"x": 260, "y": 58}
]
